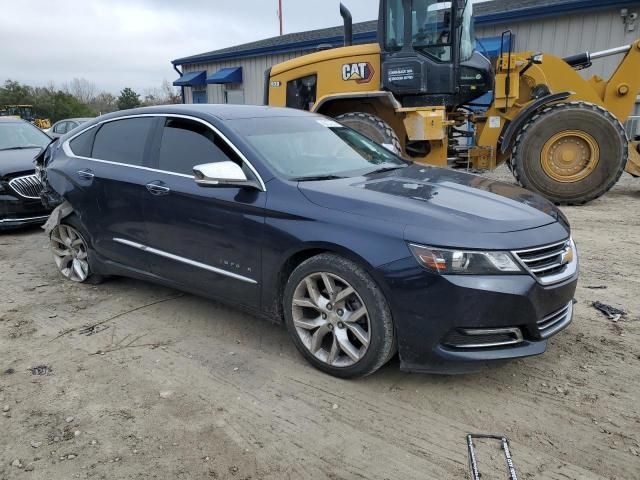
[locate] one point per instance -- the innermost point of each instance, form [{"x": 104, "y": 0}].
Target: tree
[
  {"x": 82, "y": 89},
  {"x": 104, "y": 103},
  {"x": 128, "y": 99}
]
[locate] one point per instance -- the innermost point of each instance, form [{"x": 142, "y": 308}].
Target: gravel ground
[{"x": 175, "y": 386}]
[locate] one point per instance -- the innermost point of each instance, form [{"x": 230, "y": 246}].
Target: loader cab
[{"x": 428, "y": 53}]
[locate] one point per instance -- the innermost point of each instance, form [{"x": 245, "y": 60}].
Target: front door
[{"x": 208, "y": 239}]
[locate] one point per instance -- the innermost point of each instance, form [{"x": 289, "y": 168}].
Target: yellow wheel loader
[
  {"x": 561, "y": 135},
  {"x": 25, "y": 112}
]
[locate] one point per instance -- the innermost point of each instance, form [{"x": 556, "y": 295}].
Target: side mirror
[{"x": 220, "y": 174}]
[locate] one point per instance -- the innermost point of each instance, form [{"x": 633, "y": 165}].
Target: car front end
[
  {"x": 458, "y": 310},
  {"x": 20, "y": 203}
]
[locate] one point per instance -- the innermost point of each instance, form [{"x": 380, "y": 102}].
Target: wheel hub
[
  {"x": 70, "y": 253},
  {"x": 331, "y": 319},
  {"x": 570, "y": 156}
]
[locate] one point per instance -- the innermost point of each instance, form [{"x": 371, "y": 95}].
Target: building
[{"x": 559, "y": 27}]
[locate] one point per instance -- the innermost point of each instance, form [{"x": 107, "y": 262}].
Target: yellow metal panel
[
  {"x": 340, "y": 70},
  {"x": 624, "y": 85},
  {"x": 422, "y": 124},
  {"x": 633, "y": 165}
]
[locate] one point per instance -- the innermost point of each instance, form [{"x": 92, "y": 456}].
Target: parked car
[
  {"x": 291, "y": 215},
  {"x": 64, "y": 126},
  {"x": 20, "y": 203}
]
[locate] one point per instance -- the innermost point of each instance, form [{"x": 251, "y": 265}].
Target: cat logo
[{"x": 359, "y": 72}]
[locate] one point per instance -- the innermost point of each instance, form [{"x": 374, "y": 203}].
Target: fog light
[{"x": 483, "y": 337}]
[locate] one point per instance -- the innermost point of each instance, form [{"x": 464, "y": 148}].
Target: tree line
[{"x": 81, "y": 98}]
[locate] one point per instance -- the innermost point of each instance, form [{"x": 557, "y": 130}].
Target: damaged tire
[{"x": 71, "y": 252}]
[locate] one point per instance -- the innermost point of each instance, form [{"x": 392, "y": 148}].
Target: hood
[
  {"x": 17, "y": 161},
  {"x": 436, "y": 199}
]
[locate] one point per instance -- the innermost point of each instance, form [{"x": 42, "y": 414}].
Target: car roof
[
  {"x": 79, "y": 119},
  {"x": 221, "y": 111}
]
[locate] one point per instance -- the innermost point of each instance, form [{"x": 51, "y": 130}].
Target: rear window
[
  {"x": 82, "y": 144},
  {"x": 123, "y": 141}
]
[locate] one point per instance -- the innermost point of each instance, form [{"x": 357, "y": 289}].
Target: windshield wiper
[
  {"x": 28, "y": 147},
  {"x": 316, "y": 178},
  {"x": 387, "y": 169}
]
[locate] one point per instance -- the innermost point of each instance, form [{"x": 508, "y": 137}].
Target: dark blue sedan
[{"x": 293, "y": 216}]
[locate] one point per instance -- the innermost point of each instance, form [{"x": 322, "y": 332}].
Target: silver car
[{"x": 63, "y": 126}]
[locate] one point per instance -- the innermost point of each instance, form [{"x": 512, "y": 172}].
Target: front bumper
[
  {"x": 16, "y": 212},
  {"x": 428, "y": 309}
]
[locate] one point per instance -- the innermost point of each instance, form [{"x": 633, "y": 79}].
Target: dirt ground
[{"x": 175, "y": 386}]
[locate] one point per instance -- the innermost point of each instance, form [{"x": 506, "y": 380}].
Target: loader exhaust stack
[{"x": 348, "y": 25}]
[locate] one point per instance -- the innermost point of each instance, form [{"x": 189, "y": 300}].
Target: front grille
[
  {"x": 556, "y": 321},
  {"x": 28, "y": 186},
  {"x": 551, "y": 263}
]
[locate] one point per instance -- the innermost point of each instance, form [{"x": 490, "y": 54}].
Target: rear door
[
  {"x": 118, "y": 173},
  {"x": 208, "y": 239}
]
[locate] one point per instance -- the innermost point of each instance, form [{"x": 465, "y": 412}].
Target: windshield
[
  {"x": 431, "y": 27},
  {"x": 17, "y": 135},
  {"x": 299, "y": 148},
  {"x": 467, "y": 34}
]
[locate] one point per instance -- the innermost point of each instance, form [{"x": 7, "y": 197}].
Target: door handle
[
  {"x": 158, "y": 189},
  {"x": 85, "y": 174}
]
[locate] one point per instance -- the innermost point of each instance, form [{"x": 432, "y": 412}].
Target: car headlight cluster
[{"x": 444, "y": 261}]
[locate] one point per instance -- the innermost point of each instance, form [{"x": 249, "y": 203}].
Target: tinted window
[
  {"x": 301, "y": 93},
  {"x": 123, "y": 141},
  {"x": 82, "y": 144},
  {"x": 186, "y": 143}
]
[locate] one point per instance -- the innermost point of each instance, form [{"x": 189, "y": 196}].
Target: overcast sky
[{"x": 119, "y": 43}]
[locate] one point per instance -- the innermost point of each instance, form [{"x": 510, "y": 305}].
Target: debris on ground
[
  {"x": 89, "y": 330},
  {"x": 41, "y": 370},
  {"x": 9, "y": 371},
  {"x": 596, "y": 287},
  {"x": 612, "y": 313}
]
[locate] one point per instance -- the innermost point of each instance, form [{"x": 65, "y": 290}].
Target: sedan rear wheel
[
  {"x": 338, "y": 317},
  {"x": 70, "y": 252}
]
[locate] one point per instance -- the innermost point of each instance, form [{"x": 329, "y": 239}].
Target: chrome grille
[
  {"x": 28, "y": 186},
  {"x": 556, "y": 321},
  {"x": 550, "y": 263}
]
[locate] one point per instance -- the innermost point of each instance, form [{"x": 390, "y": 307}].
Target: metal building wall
[
  {"x": 571, "y": 34},
  {"x": 253, "y": 69}
]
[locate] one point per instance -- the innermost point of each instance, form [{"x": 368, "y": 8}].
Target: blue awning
[
  {"x": 191, "y": 79},
  {"x": 226, "y": 75}
]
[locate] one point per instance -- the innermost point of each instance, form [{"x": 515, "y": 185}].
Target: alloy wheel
[
  {"x": 70, "y": 253},
  {"x": 331, "y": 319}
]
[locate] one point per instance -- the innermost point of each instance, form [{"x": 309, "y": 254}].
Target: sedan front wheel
[{"x": 338, "y": 317}]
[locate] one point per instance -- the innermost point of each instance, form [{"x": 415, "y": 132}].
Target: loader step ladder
[{"x": 473, "y": 464}]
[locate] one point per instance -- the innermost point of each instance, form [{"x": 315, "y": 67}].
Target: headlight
[{"x": 443, "y": 261}]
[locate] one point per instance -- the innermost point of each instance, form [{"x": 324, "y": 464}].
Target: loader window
[
  {"x": 301, "y": 93},
  {"x": 431, "y": 27}
]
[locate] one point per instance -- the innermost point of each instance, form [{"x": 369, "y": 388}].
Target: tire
[
  {"x": 602, "y": 147},
  {"x": 71, "y": 252},
  {"x": 338, "y": 324},
  {"x": 373, "y": 128}
]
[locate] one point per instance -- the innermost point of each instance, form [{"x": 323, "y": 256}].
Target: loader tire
[
  {"x": 570, "y": 153},
  {"x": 373, "y": 128}
]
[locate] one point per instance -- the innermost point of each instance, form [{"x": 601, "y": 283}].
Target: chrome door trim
[
  {"x": 25, "y": 219},
  {"x": 67, "y": 149},
  {"x": 187, "y": 261}
]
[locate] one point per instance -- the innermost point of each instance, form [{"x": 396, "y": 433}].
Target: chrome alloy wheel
[
  {"x": 70, "y": 253},
  {"x": 331, "y": 319}
]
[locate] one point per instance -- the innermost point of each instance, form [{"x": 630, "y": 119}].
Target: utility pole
[{"x": 280, "y": 16}]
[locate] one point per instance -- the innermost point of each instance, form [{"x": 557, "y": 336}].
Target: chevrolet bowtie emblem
[{"x": 567, "y": 256}]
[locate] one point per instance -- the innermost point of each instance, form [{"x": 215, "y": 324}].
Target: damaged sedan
[
  {"x": 20, "y": 203},
  {"x": 291, "y": 215}
]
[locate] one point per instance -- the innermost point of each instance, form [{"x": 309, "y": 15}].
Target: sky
[{"x": 130, "y": 43}]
